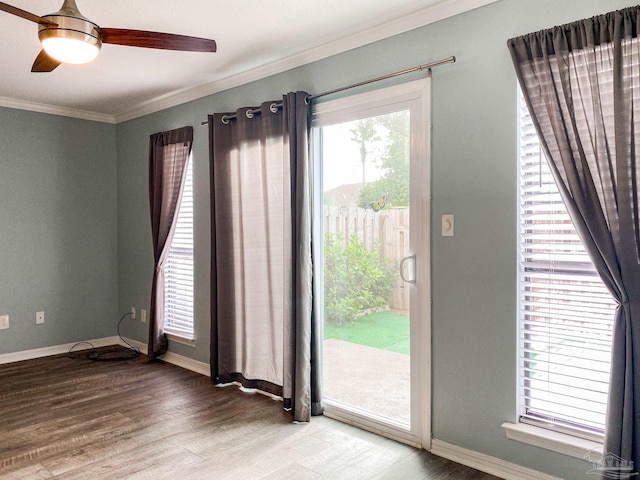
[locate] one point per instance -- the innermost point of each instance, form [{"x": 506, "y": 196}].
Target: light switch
[{"x": 447, "y": 225}]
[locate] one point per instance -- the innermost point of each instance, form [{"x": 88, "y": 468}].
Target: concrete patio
[{"x": 368, "y": 378}]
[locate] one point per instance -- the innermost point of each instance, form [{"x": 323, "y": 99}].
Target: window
[
  {"x": 566, "y": 313},
  {"x": 178, "y": 268}
]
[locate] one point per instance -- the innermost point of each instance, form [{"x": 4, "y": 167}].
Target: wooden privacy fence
[{"x": 386, "y": 231}]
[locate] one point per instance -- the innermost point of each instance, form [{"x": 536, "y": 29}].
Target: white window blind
[
  {"x": 178, "y": 268},
  {"x": 566, "y": 313}
]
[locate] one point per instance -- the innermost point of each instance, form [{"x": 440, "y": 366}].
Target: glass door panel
[{"x": 366, "y": 213}]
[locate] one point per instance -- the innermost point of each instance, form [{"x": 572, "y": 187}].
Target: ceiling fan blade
[
  {"x": 165, "y": 41},
  {"x": 5, "y": 7},
  {"x": 44, "y": 63}
]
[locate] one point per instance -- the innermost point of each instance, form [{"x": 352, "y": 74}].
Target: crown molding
[
  {"x": 369, "y": 34},
  {"x": 56, "y": 110}
]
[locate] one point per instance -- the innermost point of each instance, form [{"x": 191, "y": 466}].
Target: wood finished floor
[{"x": 72, "y": 419}]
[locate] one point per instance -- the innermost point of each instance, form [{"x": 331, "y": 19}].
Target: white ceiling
[{"x": 255, "y": 38}]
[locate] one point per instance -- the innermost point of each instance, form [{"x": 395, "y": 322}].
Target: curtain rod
[{"x": 426, "y": 66}]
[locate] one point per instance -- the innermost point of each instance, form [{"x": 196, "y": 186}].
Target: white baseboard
[
  {"x": 54, "y": 350},
  {"x": 133, "y": 343},
  {"x": 187, "y": 363},
  {"x": 486, "y": 463},
  {"x": 175, "y": 359},
  {"x": 170, "y": 357}
]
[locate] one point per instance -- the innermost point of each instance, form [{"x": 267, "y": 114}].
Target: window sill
[
  {"x": 555, "y": 441},
  {"x": 191, "y": 342}
]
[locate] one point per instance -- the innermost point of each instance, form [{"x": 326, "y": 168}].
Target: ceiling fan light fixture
[
  {"x": 67, "y": 49},
  {"x": 71, "y": 38},
  {"x": 67, "y": 36}
]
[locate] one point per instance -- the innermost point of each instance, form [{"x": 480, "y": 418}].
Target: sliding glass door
[{"x": 371, "y": 234}]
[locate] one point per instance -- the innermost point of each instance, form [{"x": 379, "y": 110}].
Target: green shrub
[{"x": 355, "y": 279}]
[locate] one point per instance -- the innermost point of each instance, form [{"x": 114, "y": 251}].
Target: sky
[{"x": 341, "y": 158}]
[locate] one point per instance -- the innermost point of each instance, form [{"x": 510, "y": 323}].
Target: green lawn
[{"x": 387, "y": 330}]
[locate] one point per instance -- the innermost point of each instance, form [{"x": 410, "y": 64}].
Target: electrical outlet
[
  {"x": 143, "y": 315},
  {"x": 39, "y": 318},
  {"x": 133, "y": 312},
  {"x": 4, "y": 322}
]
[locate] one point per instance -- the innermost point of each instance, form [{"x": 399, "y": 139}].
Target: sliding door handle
[{"x": 410, "y": 260}]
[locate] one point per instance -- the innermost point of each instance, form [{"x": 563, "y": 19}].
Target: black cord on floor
[{"x": 107, "y": 355}]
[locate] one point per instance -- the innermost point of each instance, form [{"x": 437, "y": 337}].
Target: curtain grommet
[
  {"x": 273, "y": 108},
  {"x": 249, "y": 114},
  {"x": 224, "y": 120}
]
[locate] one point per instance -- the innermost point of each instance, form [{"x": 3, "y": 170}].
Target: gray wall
[
  {"x": 58, "y": 244},
  {"x": 474, "y": 176}
]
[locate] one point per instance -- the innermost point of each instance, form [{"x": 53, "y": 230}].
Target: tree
[
  {"x": 365, "y": 135},
  {"x": 394, "y": 161}
]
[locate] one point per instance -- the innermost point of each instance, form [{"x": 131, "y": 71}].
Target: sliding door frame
[{"x": 415, "y": 96}]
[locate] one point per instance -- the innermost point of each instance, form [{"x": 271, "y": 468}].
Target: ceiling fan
[{"x": 69, "y": 37}]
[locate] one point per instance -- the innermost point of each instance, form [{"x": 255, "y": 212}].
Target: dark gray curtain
[
  {"x": 263, "y": 331},
  {"x": 581, "y": 83},
  {"x": 168, "y": 155}
]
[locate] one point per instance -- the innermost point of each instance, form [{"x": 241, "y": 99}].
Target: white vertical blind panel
[{"x": 178, "y": 270}]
